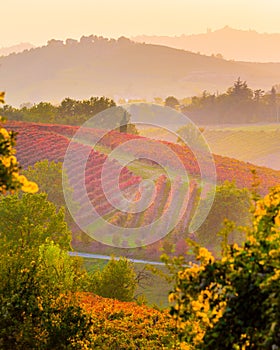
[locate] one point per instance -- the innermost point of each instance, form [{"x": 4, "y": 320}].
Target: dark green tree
[
  {"x": 117, "y": 280},
  {"x": 171, "y": 102}
]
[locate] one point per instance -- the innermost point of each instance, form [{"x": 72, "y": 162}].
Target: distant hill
[
  {"x": 241, "y": 45},
  {"x": 5, "y": 51},
  {"x": 97, "y": 66}
]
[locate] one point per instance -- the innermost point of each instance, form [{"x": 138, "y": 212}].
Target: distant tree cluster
[
  {"x": 90, "y": 40},
  {"x": 239, "y": 104}
]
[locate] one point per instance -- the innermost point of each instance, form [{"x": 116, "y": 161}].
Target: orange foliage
[{"x": 119, "y": 325}]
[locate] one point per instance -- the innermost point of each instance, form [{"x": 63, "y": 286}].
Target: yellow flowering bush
[
  {"x": 10, "y": 178},
  {"x": 234, "y": 302}
]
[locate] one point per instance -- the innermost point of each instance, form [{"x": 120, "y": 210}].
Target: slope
[{"x": 258, "y": 145}]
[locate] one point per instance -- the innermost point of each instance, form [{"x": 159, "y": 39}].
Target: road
[{"x": 107, "y": 257}]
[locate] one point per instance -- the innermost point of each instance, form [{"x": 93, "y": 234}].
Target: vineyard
[
  {"x": 227, "y": 168},
  {"x": 45, "y": 141}
]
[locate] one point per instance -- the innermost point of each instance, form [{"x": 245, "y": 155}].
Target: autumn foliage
[
  {"x": 126, "y": 325},
  {"x": 10, "y": 178},
  {"x": 234, "y": 303}
]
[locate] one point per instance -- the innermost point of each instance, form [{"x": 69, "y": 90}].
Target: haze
[{"x": 37, "y": 21}]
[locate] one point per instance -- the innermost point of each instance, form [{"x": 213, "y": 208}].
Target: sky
[{"x": 38, "y": 21}]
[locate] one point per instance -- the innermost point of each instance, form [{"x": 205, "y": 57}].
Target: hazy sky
[{"x": 37, "y": 21}]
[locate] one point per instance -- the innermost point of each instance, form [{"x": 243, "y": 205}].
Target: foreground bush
[
  {"x": 234, "y": 303},
  {"x": 117, "y": 280},
  {"x": 10, "y": 178},
  {"x": 37, "y": 308},
  {"x": 125, "y": 325}
]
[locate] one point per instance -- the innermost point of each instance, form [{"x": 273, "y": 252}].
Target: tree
[
  {"x": 239, "y": 104},
  {"x": 10, "y": 177},
  {"x": 231, "y": 203},
  {"x": 240, "y": 90},
  {"x": 273, "y": 104},
  {"x": 30, "y": 219},
  {"x": 258, "y": 94},
  {"x": 124, "y": 121},
  {"x": 233, "y": 303},
  {"x": 58, "y": 269},
  {"x": 117, "y": 280},
  {"x": 42, "y": 112},
  {"x": 48, "y": 176},
  {"x": 51, "y": 180},
  {"x": 68, "y": 107},
  {"x": 171, "y": 102},
  {"x": 158, "y": 100},
  {"x": 191, "y": 136},
  {"x": 37, "y": 310}
]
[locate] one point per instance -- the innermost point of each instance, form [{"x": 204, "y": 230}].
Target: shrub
[{"x": 234, "y": 303}]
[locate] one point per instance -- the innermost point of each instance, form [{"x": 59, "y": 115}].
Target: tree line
[
  {"x": 72, "y": 112},
  {"x": 239, "y": 104},
  {"x": 69, "y": 111}
]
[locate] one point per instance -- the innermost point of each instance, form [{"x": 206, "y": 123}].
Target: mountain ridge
[
  {"x": 5, "y": 51},
  {"x": 236, "y": 44}
]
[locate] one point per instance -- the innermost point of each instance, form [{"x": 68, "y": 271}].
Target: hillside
[
  {"x": 241, "y": 45},
  {"x": 41, "y": 134},
  {"x": 97, "y": 197},
  {"x": 121, "y": 68},
  {"x": 250, "y": 144},
  {"x": 256, "y": 144}
]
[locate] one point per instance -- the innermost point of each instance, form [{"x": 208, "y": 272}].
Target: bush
[
  {"x": 30, "y": 219},
  {"x": 10, "y": 178},
  {"x": 117, "y": 280},
  {"x": 38, "y": 309},
  {"x": 234, "y": 303}
]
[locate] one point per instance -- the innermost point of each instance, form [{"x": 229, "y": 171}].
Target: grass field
[
  {"x": 139, "y": 167},
  {"x": 155, "y": 289},
  {"x": 258, "y": 144}
]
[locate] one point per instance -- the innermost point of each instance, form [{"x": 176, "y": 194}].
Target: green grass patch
[{"x": 154, "y": 288}]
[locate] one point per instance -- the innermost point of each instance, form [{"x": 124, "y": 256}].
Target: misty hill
[
  {"x": 231, "y": 43},
  {"x": 5, "y": 51},
  {"x": 121, "y": 68}
]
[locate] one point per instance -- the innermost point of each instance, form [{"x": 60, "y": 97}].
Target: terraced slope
[{"x": 38, "y": 142}]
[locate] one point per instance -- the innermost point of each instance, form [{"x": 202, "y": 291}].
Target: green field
[
  {"x": 155, "y": 289},
  {"x": 258, "y": 144}
]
